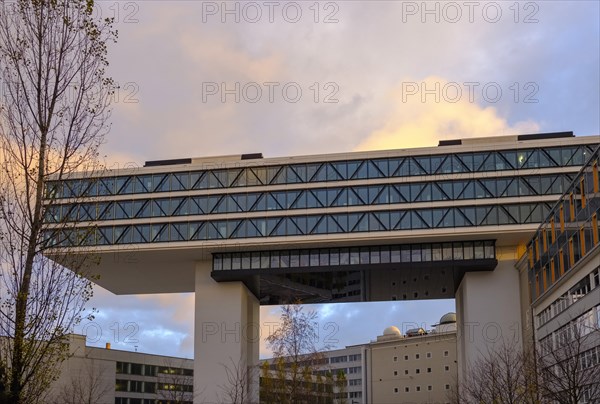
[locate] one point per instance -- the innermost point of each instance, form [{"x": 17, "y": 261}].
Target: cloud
[{"x": 419, "y": 120}]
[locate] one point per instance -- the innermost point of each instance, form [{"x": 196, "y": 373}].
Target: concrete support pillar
[
  {"x": 488, "y": 313},
  {"x": 226, "y": 336}
]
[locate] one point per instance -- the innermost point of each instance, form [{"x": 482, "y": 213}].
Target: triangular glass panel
[
  {"x": 123, "y": 210},
  {"x": 301, "y": 223},
  {"x": 332, "y": 194},
  {"x": 416, "y": 221},
  {"x": 106, "y": 186},
  {"x": 281, "y": 199},
  {"x": 321, "y": 226},
  {"x": 524, "y": 188},
  {"x": 446, "y": 166},
  {"x": 291, "y": 228},
  {"x": 363, "y": 223},
  {"x": 260, "y": 204},
  {"x": 342, "y": 221},
  {"x": 414, "y": 167},
  {"x": 217, "y": 179},
  {"x": 301, "y": 172},
  {"x": 437, "y": 194},
  {"x": 233, "y": 175},
  {"x": 180, "y": 181},
  {"x": 394, "y": 167},
  {"x": 198, "y": 180},
  {"x": 315, "y": 198},
  {"x": 507, "y": 160},
  {"x": 382, "y": 167},
  {"x": 533, "y": 159},
  {"x": 198, "y": 230},
  {"x": 161, "y": 182},
  {"x": 280, "y": 177},
  {"x": 342, "y": 168},
  {"x": 469, "y": 214},
  {"x": 482, "y": 215},
  {"x": 353, "y": 219},
  {"x": 232, "y": 226},
  {"x": 332, "y": 174},
  {"x": 504, "y": 217},
  {"x": 362, "y": 172},
  {"x": 333, "y": 226},
  {"x": 300, "y": 202},
  {"x": 479, "y": 190},
  {"x": 545, "y": 160},
  {"x": 374, "y": 194},
  {"x": 242, "y": 179},
  {"x": 353, "y": 167},
  {"x": 178, "y": 232},
  {"x": 124, "y": 185},
  {"x": 240, "y": 201},
  {"x": 341, "y": 199},
  {"x": 426, "y": 164},
  {"x": 122, "y": 234},
  {"x": 256, "y": 176},
  {"x": 405, "y": 223},
  {"x": 394, "y": 195},
  {"x": 272, "y": 223},
  {"x": 213, "y": 203},
  {"x": 291, "y": 176},
  {"x": 260, "y": 225},
  {"x": 467, "y": 160},
  {"x": 211, "y": 231},
  {"x": 379, "y": 221},
  {"x": 314, "y": 172}
]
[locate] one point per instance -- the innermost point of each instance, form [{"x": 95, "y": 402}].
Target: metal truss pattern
[
  {"x": 344, "y": 257},
  {"x": 390, "y": 220},
  {"x": 569, "y": 232},
  {"x": 312, "y": 198},
  {"x": 451, "y": 163}
]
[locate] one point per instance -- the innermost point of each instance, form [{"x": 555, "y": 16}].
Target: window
[
  {"x": 446, "y": 368},
  {"x": 417, "y": 371},
  {"x": 395, "y": 389},
  {"x": 572, "y": 207},
  {"x": 406, "y": 371},
  {"x": 395, "y": 373},
  {"x": 447, "y": 387},
  {"x": 428, "y": 370},
  {"x": 445, "y": 353},
  {"x": 417, "y": 356},
  {"x": 429, "y": 388},
  {"x": 407, "y": 389},
  {"x": 582, "y": 240},
  {"x": 582, "y": 189},
  {"x": 395, "y": 359},
  {"x": 428, "y": 354},
  {"x": 418, "y": 388},
  {"x": 405, "y": 357}
]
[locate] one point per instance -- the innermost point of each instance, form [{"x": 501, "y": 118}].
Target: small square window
[
  {"x": 405, "y": 357},
  {"x": 407, "y": 389},
  {"x": 406, "y": 371},
  {"x": 417, "y": 356},
  {"x": 395, "y": 373},
  {"x": 429, "y": 388},
  {"x": 417, "y": 371},
  {"x": 445, "y": 353},
  {"x": 428, "y": 370},
  {"x": 395, "y": 389},
  {"x": 395, "y": 359},
  {"x": 447, "y": 387},
  {"x": 447, "y": 368},
  {"x": 429, "y": 354},
  {"x": 418, "y": 388}
]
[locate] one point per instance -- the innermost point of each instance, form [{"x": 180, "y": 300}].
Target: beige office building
[
  {"x": 418, "y": 367},
  {"x": 110, "y": 376}
]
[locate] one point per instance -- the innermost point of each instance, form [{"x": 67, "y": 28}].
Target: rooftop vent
[{"x": 156, "y": 163}]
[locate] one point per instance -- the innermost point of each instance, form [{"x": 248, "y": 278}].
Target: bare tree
[
  {"x": 53, "y": 114},
  {"x": 341, "y": 387},
  {"x": 503, "y": 375},
  {"x": 89, "y": 386},
  {"x": 294, "y": 345},
  {"x": 238, "y": 389},
  {"x": 569, "y": 362}
]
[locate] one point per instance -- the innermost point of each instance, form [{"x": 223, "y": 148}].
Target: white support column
[
  {"x": 227, "y": 333},
  {"x": 488, "y": 313}
]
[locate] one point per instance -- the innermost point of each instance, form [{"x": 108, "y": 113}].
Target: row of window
[
  {"x": 575, "y": 330},
  {"x": 428, "y": 355},
  {"x": 570, "y": 231},
  {"x": 150, "y": 370},
  {"x": 418, "y": 388},
  {"x": 563, "y": 254},
  {"x": 466, "y": 250},
  {"x": 129, "y": 400},
  {"x": 301, "y": 225},
  {"x": 139, "y": 386},
  {"x": 418, "y": 370},
  {"x": 323, "y": 172},
  {"x": 582, "y": 288},
  {"x": 308, "y": 199}
]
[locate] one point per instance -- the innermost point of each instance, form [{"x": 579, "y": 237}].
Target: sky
[{"x": 202, "y": 78}]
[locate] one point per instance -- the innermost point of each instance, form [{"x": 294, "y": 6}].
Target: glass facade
[
  {"x": 569, "y": 232},
  {"x": 356, "y": 222},
  {"x": 468, "y": 189},
  {"x": 336, "y": 257},
  {"x": 469, "y": 162},
  {"x": 367, "y": 195}
]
